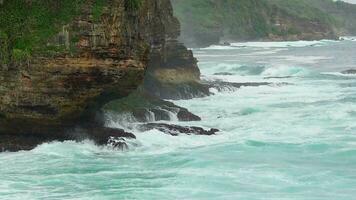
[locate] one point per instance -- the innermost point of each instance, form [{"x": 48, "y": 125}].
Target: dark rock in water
[
  {"x": 225, "y": 44},
  {"x": 175, "y": 130},
  {"x": 118, "y": 143},
  {"x": 174, "y": 73},
  {"x": 350, "y": 71},
  {"x": 229, "y": 86},
  {"x": 14, "y": 143},
  {"x": 278, "y": 77},
  {"x": 185, "y": 115},
  {"x": 145, "y": 107},
  {"x": 104, "y": 135},
  {"x": 100, "y": 135},
  {"x": 224, "y": 74}
]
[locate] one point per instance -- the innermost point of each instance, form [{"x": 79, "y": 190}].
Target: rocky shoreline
[
  {"x": 125, "y": 62},
  {"x": 96, "y": 59}
]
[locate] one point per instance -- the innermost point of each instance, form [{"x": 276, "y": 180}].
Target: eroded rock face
[
  {"x": 140, "y": 106},
  {"x": 52, "y": 93},
  {"x": 176, "y": 130},
  {"x": 172, "y": 72}
]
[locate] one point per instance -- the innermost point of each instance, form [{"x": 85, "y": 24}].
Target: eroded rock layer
[{"x": 95, "y": 59}]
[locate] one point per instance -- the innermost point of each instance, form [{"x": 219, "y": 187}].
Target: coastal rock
[
  {"x": 116, "y": 138},
  {"x": 173, "y": 73},
  {"x": 176, "y": 130},
  {"x": 104, "y": 135},
  {"x": 224, "y": 74},
  {"x": 13, "y": 143},
  {"x": 144, "y": 107},
  {"x": 118, "y": 143},
  {"x": 350, "y": 71},
  {"x": 230, "y": 86},
  {"x": 101, "y": 54},
  {"x": 185, "y": 115}
]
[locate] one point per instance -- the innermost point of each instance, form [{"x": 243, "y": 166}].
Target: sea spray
[{"x": 292, "y": 139}]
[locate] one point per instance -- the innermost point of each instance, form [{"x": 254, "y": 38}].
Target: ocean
[{"x": 292, "y": 139}]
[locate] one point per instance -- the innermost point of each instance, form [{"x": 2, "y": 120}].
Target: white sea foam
[
  {"x": 348, "y": 38},
  {"x": 278, "y": 44},
  {"x": 269, "y": 51},
  {"x": 275, "y": 140},
  {"x": 339, "y": 74},
  {"x": 283, "y": 71},
  {"x": 220, "y": 47},
  {"x": 303, "y": 59}
]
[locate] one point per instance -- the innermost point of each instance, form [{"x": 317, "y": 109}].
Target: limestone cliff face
[
  {"x": 174, "y": 74},
  {"x": 172, "y": 71},
  {"x": 103, "y": 59}
]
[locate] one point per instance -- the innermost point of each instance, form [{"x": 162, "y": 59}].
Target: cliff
[
  {"x": 217, "y": 21},
  {"x": 172, "y": 71},
  {"x": 61, "y": 61}
]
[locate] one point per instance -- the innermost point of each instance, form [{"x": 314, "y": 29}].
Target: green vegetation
[
  {"x": 344, "y": 12},
  {"x": 98, "y": 9},
  {"x": 132, "y": 5},
  {"x": 261, "y": 19},
  {"x": 213, "y": 19},
  {"x": 26, "y": 26},
  {"x": 302, "y": 9}
]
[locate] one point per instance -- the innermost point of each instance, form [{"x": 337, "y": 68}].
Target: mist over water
[{"x": 292, "y": 139}]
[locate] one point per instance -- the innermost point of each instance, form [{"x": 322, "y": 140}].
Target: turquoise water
[{"x": 293, "y": 139}]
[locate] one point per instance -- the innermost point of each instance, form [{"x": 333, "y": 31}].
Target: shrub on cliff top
[{"x": 26, "y": 26}]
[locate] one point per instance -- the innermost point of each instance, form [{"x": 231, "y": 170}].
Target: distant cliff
[
  {"x": 217, "y": 21},
  {"x": 61, "y": 60}
]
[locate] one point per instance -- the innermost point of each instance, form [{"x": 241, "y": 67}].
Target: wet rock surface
[
  {"x": 224, "y": 74},
  {"x": 13, "y": 143},
  {"x": 118, "y": 143},
  {"x": 176, "y": 130},
  {"x": 174, "y": 74},
  {"x": 102, "y": 136},
  {"x": 230, "y": 86},
  {"x": 43, "y": 99},
  {"x": 115, "y": 138},
  {"x": 144, "y": 107},
  {"x": 278, "y": 77},
  {"x": 350, "y": 71}
]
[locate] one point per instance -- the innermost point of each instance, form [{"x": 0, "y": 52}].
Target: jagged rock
[
  {"x": 185, "y": 115},
  {"x": 12, "y": 143},
  {"x": 174, "y": 74},
  {"x": 118, "y": 143},
  {"x": 278, "y": 77},
  {"x": 144, "y": 107},
  {"x": 230, "y": 86},
  {"x": 115, "y": 138},
  {"x": 175, "y": 130},
  {"x": 98, "y": 60},
  {"x": 224, "y": 74},
  {"x": 104, "y": 135}
]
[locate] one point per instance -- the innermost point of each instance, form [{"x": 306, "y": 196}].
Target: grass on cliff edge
[{"x": 25, "y": 26}]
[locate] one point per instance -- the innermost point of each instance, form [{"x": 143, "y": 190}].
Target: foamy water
[{"x": 292, "y": 139}]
